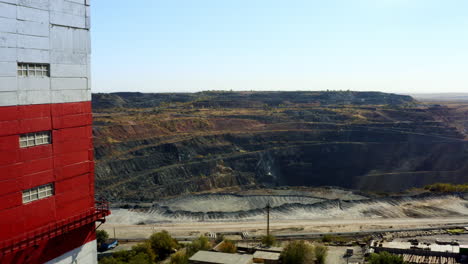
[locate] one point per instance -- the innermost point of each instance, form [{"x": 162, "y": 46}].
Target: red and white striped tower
[{"x": 47, "y": 206}]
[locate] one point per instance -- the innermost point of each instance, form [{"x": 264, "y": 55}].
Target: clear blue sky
[{"x": 404, "y": 46}]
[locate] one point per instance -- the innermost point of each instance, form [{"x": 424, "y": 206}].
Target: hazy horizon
[{"x": 396, "y": 46}]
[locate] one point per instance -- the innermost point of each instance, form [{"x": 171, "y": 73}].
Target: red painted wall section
[
  {"x": 53, "y": 248},
  {"x": 67, "y": 162},
  {"x": 9, "y": 127}
]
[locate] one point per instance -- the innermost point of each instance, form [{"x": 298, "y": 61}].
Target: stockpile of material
[{"x": 415, "y": 259}]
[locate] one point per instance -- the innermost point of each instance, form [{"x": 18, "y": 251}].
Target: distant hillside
[
  {"x": 246, "y": 99},
  {"x": 441, "y": 97},
  {"x": 149, "y": 146}
]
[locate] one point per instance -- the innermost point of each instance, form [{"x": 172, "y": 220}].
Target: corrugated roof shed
[{"x": 210, "y": 257}]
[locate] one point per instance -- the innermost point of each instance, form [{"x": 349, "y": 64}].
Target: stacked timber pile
[
  {"x": 389, "y": 235},
  {"x": 415, "y": 259}
]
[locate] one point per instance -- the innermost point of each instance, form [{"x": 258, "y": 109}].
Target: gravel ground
[
  {"x": 277, "y": 227},
  {"x": 336, "y": 255}
]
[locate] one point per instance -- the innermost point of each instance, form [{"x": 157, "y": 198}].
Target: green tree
[
  {"x": 327, "y": 238},
  {"x": 228, "y": 247},
  {"x": 385, "y": 258},
  {"x": 110, "y": 260},
  {"x": 123, "y": 255},
  {"x": 140, "y": 258},
  {"x": 201, "y": 243},
  {"x": 139, "y": 254},
  {"x": 101, "y": 237},
  {"x": 162, "y": 244},
  {"x": 146, "y": 249},
  {"x": 320, "y": 253},
  {"x": 268, "y": 240},
  {"x": 179, "y": 258},
  {"x": 297, "y": 252}
]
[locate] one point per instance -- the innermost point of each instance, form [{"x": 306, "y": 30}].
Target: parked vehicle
[{"x": 109, "y": 244}]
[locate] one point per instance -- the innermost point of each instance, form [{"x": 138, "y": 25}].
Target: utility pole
[{"x": 268, "y": 218}]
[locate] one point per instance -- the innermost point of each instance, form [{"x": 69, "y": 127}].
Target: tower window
[
  {"x": 34, "y": 139},
  {"x": 33, "y": 70},
  {"x": 37, "y": 193}
]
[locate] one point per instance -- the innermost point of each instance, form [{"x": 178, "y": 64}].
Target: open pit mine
[{"x": 340, "y": 162}]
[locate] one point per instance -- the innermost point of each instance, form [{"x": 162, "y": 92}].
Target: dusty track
[{"x": 288, "y": 227}]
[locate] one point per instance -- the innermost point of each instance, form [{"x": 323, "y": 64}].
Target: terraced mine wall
[{"x": 174, "y": 146}]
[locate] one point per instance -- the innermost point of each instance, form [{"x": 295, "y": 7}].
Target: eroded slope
[{"x": 150, "y": 146}]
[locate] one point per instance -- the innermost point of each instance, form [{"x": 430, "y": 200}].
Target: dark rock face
[{"x": 183, "y": 143}]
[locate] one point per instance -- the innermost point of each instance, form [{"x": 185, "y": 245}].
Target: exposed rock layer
[{"x": 150, "y": 146}]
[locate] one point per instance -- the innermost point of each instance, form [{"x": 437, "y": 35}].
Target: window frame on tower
[
  {"x": 38, "y": 70},
  {"x": 38, "y": 193},
  {"x": 35, "y": 139}
]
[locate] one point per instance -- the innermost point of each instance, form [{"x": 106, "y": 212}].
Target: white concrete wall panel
[
  {"x": 89, "y": 72},
  {"x": 33, "y": 97},
  {"x": 33, "y": 56},
  {"x": 8, "y": 84},
  {"x": 88, "y": 22},
  {"x": 32, "y": 28},
  {"x": 81, "y": 41},
  {"x": 70, "y": 39},
  {"x": 82, "y": 2},
  {"x": 39, "y": 4},
  {"x": 33, "y": 42},
  {"x": 32, "y": 14},
  {"x": 45, "y": 31},
  {"x": 61, "y": 38},
  {"x": 7, "y": 10},
  {"x": 68, "y": 70},
  {"x": 8, "y": 40},
  {"x": 68, "y": 96},
  {"x": 69, "y": 20},
  {"x": 8, "y": 25},
  {"x": 8, "y": 98},
  {"x": 33, "y": 84},
  {"x": 8, "y": 69},
  {"x": 67, "y": 13},
  {"x": 7, "y": 54},
  {"x": 88, "y": 17},
  {"x": 86, "y": 254},
  {"x": 68, "y": 57},
  {"x": 68, "y": 7},
  {"x": 9, "y": 1},
  {"x": 69, "y": 83}
]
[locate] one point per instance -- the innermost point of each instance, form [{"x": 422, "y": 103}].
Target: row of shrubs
[{"x": 161, "y": 246}]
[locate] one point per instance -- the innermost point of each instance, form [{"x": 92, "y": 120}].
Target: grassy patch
[{"x": 446, "y": 187}]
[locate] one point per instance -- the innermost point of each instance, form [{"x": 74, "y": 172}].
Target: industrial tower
[{"x": 47, "y": 206}]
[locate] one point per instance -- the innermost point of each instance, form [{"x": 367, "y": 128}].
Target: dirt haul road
[{"x": 280, "y": 226}]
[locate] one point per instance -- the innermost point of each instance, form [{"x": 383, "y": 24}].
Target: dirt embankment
[
  {"x": 232, "y": 207},
  {"x": 320, "y": 210}
]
